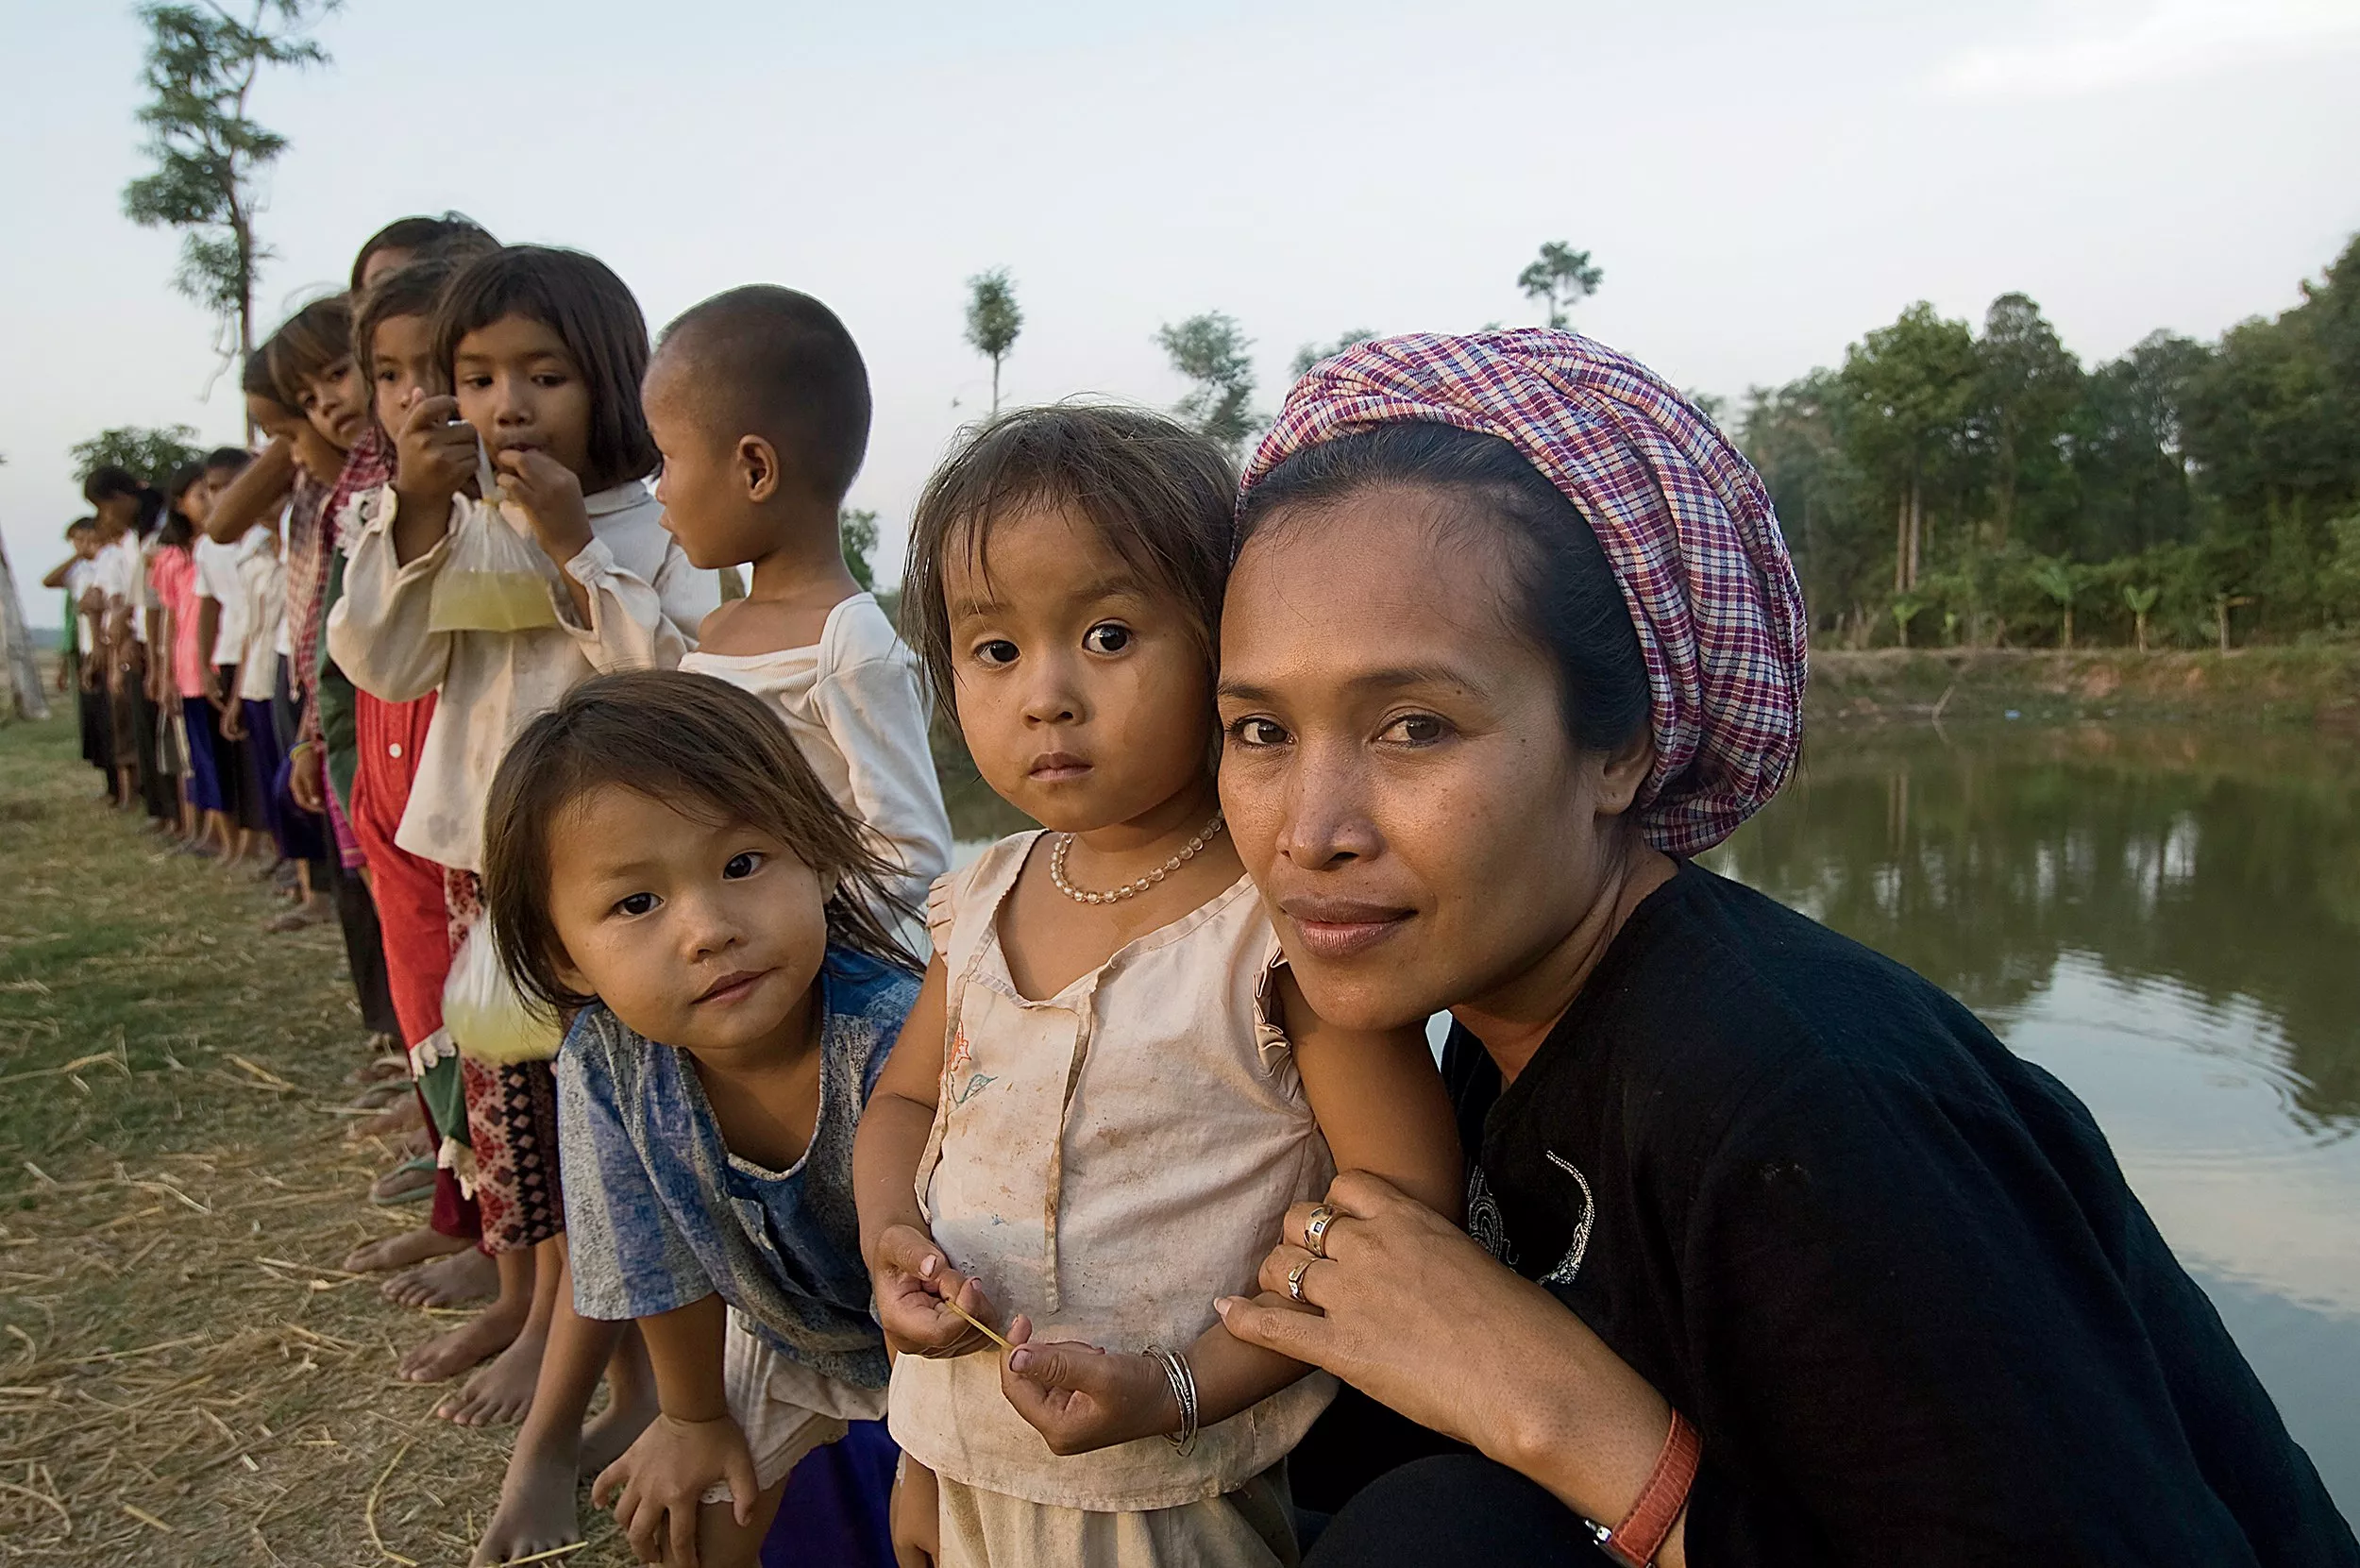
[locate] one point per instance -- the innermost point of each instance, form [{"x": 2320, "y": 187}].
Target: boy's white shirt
[
  {"x": 79, "y": 575},
  {"x": 262, "y": 580},
  {"x": 217, "y": 579},
  {"x": 852, "y": 702},
  {"x": 646, "y": 604}
]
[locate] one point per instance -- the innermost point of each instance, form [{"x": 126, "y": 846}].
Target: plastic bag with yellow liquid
[{"x": 497, "y": 578}]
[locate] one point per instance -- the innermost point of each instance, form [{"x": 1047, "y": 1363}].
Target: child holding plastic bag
[{"x": 504, "y": 600}]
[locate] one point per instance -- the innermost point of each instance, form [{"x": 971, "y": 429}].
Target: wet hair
[
  {"x": 703, "y": 748},
  {"x": 307, "y": 342},
  {"x": 770, "y": 362},
  {"x": 232, "y": 458},
  {"x": 579, "y": 298},
  {"x": 1564, "y": 597},
  {"x": 453, "y": 234},
  {"x": 1157, "y": 493},
  {"x": 410, "y": 291}
]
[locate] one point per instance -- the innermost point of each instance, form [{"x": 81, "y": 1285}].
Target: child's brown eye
[
  {"x": 741, "y": 866},
  {"x": 999, "y": 650},
  {"x": 634, "y": 903},
  {"x": 1106, "y": 637}
]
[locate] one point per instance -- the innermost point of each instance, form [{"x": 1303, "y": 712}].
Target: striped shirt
[{"x": 660, "y": 1214}]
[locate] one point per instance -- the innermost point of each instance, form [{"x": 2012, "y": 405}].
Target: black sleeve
[{"x": 1918, "y": 1347}]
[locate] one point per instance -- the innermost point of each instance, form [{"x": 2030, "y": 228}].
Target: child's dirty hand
[
  {"x": 550, "y": 493},
  {"x": 912, "y": 1279},
  {"x": 1079, "y": 1397},
  {"x": 659, "y": 1484}
]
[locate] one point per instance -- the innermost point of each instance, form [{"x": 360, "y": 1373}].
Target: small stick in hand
[{"x": 995, "y": 1335}]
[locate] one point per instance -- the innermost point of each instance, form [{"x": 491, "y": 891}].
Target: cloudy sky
[{"x": 1761, "y": 183}]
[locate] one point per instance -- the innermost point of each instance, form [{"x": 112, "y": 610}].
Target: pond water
[{"x": 2171, "y": 923}]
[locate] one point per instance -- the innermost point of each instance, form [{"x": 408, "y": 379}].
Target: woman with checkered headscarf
[{"x": 1773, "y": 1254}]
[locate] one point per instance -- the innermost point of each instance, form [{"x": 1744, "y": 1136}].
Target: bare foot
[
  {"x": 409, "y": 1182},
  {"x": 536, "y": 1511},
  {"x": 402, "y": 1115},
  {"x": 500, "y": 1394},
  {"x": 446, "y": 1356},
  {"x": 462, "y": 1276},
  {"x": 399, "y": 1252}
]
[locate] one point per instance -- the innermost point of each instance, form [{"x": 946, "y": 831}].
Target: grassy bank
[
  {"x": 184, "y": 1377},
  {"x": 2310, "y": 687}
]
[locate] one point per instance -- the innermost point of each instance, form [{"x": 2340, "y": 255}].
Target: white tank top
[{"x": 1108, "y": 1161}]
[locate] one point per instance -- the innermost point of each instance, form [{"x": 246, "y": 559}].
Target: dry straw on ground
[{"x": 185, "y": 1377}]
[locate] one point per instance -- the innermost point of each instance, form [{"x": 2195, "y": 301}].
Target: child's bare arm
[
  {"x": 909, "y": 1273},
  {"x": 1380, "y": 1102},
  {"x": 658, "y": 1486},
  {"x": 254, "y": 494}
]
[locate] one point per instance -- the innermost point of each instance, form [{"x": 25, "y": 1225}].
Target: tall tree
[
  {"x": 2129, "y": 452},
  {"x": 2028, "y": 387},
  {"x": 1313, "y": 353},
  {"x": 210, "y": 152},
  {"x": 152, "y": 455},
  {"x": 1560, "y": 279},
  {"x": 1211, "y": 351},
  {"x": 992, "y": 320},
  {"x": 1910, "y": 389}
]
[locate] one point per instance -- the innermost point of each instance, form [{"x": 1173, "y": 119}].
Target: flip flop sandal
[
  {"x": 379, "y": 1095},
  {"x": 298, "y": 919},
  {"x": 410, "y": 1194}
]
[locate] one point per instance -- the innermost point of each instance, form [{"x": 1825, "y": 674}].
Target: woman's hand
[
  {"x": 912, "y": 1279},
  {"x": 659, "y": 1484},
  {"x": 916, "y": 1516},
  {"x": 1414, "y": 1314},
  {"x": 1080, "y": 1398},
  {"x": 551, "y": 496}
]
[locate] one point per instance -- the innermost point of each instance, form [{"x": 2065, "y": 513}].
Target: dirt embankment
[{"x": 2307, "y": 686}]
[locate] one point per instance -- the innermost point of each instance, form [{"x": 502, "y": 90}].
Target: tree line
[{"x": 1947, "y": 485}]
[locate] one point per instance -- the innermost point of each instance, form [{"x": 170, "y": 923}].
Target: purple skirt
[{"x": 295, "y": 830}]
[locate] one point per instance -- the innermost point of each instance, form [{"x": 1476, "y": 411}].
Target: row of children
[{"x": 561, "y": 748}]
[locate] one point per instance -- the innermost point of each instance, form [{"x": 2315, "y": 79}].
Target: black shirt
[{"x": 1891, "y": 1271}]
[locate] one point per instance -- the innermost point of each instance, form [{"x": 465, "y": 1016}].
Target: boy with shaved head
[{"x": 760, "y": 403}]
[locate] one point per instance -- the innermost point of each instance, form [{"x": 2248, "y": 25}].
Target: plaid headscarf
[{"x": 1684, "y": 520}]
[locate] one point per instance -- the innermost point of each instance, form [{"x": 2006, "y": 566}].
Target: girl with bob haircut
[
  {"x": 1109, "y": 1090},
  {"x": 660, "y": 861},
  {"x": 504, "y": 602}
]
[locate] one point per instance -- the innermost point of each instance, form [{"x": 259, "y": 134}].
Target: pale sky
[{"x": 1761, "y": 183}]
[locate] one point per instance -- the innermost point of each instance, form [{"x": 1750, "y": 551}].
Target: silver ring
[
  {"x": 1315, "y": 1230},
  {"x": 1294, "y": 1281}
]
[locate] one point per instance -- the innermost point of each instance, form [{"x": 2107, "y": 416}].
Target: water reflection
[{"x": 2171, "y": 923}]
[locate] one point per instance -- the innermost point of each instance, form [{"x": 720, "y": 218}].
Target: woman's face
[{"x": 1395, "y": 766}]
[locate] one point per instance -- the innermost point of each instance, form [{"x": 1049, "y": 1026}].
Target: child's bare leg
[
  {"x": 502, "y": 1391},
  {"x": 723, "y": 1542},
  {"x": 537, "y": 1508},
  {"x": 487, "y": 1332},
  {"x": 462, "y": 1277},
  {"x": 630, "y": 1404},
  {"x": 399, "y": 1252}
]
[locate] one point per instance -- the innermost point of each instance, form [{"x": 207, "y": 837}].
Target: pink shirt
[{"x": 172, "y": 576}]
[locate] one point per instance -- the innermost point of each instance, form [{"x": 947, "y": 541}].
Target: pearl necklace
[{"x": 1133, "y": 888}]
